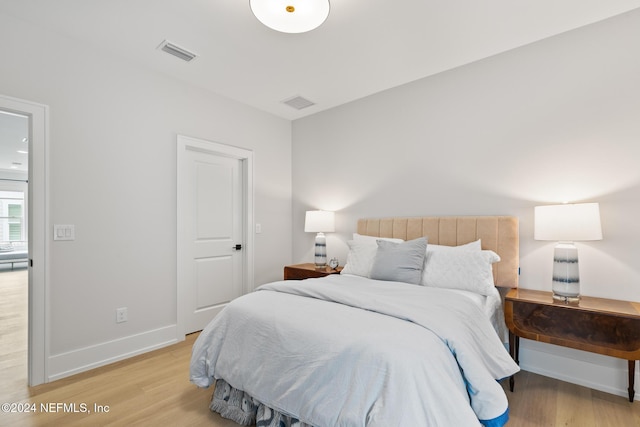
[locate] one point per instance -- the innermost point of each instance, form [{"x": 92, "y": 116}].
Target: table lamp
[
  {"x": 320, "y": 222},
  {"x": 566, "y": 224}
]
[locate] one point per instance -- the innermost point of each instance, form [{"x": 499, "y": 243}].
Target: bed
[{"x": 410, "y": 333}]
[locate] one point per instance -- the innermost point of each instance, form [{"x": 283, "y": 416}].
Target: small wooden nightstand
[
  {"x": 598, "y": 325},
  {"x": 307, "y": 271}
]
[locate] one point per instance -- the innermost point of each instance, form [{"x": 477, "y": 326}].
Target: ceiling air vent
[
  {"x": 298, "y": 102},
  {"x": 177, "y": 51}
]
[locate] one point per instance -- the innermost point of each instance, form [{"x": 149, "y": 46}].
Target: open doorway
[
  {"x": 23, "y": 225},
  {"x": 14, "y": 274}
]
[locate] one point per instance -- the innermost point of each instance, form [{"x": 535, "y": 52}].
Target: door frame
[
  {"x": 185, "y": 144},
  {"x": 38, "y": 238}
]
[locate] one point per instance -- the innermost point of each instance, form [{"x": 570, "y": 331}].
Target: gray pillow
[{"x": 400, "y": 262}]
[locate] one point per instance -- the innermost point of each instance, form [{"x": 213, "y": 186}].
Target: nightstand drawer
[{"x": 600, "y": 333}]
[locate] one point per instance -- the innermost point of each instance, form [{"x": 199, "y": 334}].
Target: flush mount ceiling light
[{"x": 291, "y": 16}]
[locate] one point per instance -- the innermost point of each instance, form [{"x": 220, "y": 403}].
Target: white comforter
[{"x": 390, "y": 354}]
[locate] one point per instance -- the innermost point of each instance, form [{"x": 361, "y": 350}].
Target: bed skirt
[{"x": 240, "y": 407}]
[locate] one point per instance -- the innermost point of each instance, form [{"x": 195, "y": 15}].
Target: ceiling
[{"x": 364, "y": 47}]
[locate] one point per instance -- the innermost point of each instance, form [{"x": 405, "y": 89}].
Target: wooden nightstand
[
  {"x": 598, "y": 325},
  {"x": 307, "y": 271}
]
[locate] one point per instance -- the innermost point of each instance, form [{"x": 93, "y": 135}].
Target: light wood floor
[
  {"x": 13, "y": 331},
  {"x": 148, "y": 390},
  {"x": 154, "y": 390},
  {"x": 542, "y": 401}
]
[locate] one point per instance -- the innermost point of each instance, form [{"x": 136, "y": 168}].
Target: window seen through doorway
[{"x": 12, "y": 220}]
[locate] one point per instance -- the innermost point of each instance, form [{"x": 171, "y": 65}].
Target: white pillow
[
  {"x": 471, "y": 246},
  {"x": 360, "y": 258},
  {"x": 362, "y": 252},
  {"x": 374, "y": 240},
  {"x": 460, "y": 269}
]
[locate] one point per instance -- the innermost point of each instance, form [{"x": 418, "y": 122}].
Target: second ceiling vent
[
  {"x": 177, "y": 51},
  {"x": 298, "y": 102}
]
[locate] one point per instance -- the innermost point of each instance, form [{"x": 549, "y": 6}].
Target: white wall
[
  {"x": 554, "y": 121},
  {"x": 113, "y": 128}
]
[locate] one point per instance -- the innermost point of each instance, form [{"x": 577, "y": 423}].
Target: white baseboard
[
  {"x": 83, "y": 359},
  {"x": 603, "y": 373}
]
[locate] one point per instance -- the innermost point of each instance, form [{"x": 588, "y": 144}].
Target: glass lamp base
[
  {"x": 320, "y": 251},
  {"x": 566, "y": 277}
]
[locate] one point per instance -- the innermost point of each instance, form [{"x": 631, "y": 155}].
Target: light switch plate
[{"x": 64, "y": 232}]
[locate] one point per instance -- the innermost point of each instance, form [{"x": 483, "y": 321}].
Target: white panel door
[{"x": 213, "y": 212}]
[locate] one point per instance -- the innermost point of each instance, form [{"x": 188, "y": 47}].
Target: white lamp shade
[
  {"x": 319, "y": 222},
  {"x": 567, "y": 222},
  {"x": 291, "y": 16}
]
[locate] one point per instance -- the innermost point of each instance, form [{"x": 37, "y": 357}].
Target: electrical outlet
[{"x": 121, "y": 315}]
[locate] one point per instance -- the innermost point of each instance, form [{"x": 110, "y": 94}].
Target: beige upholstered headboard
[{"x": 498, "y": 233}]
